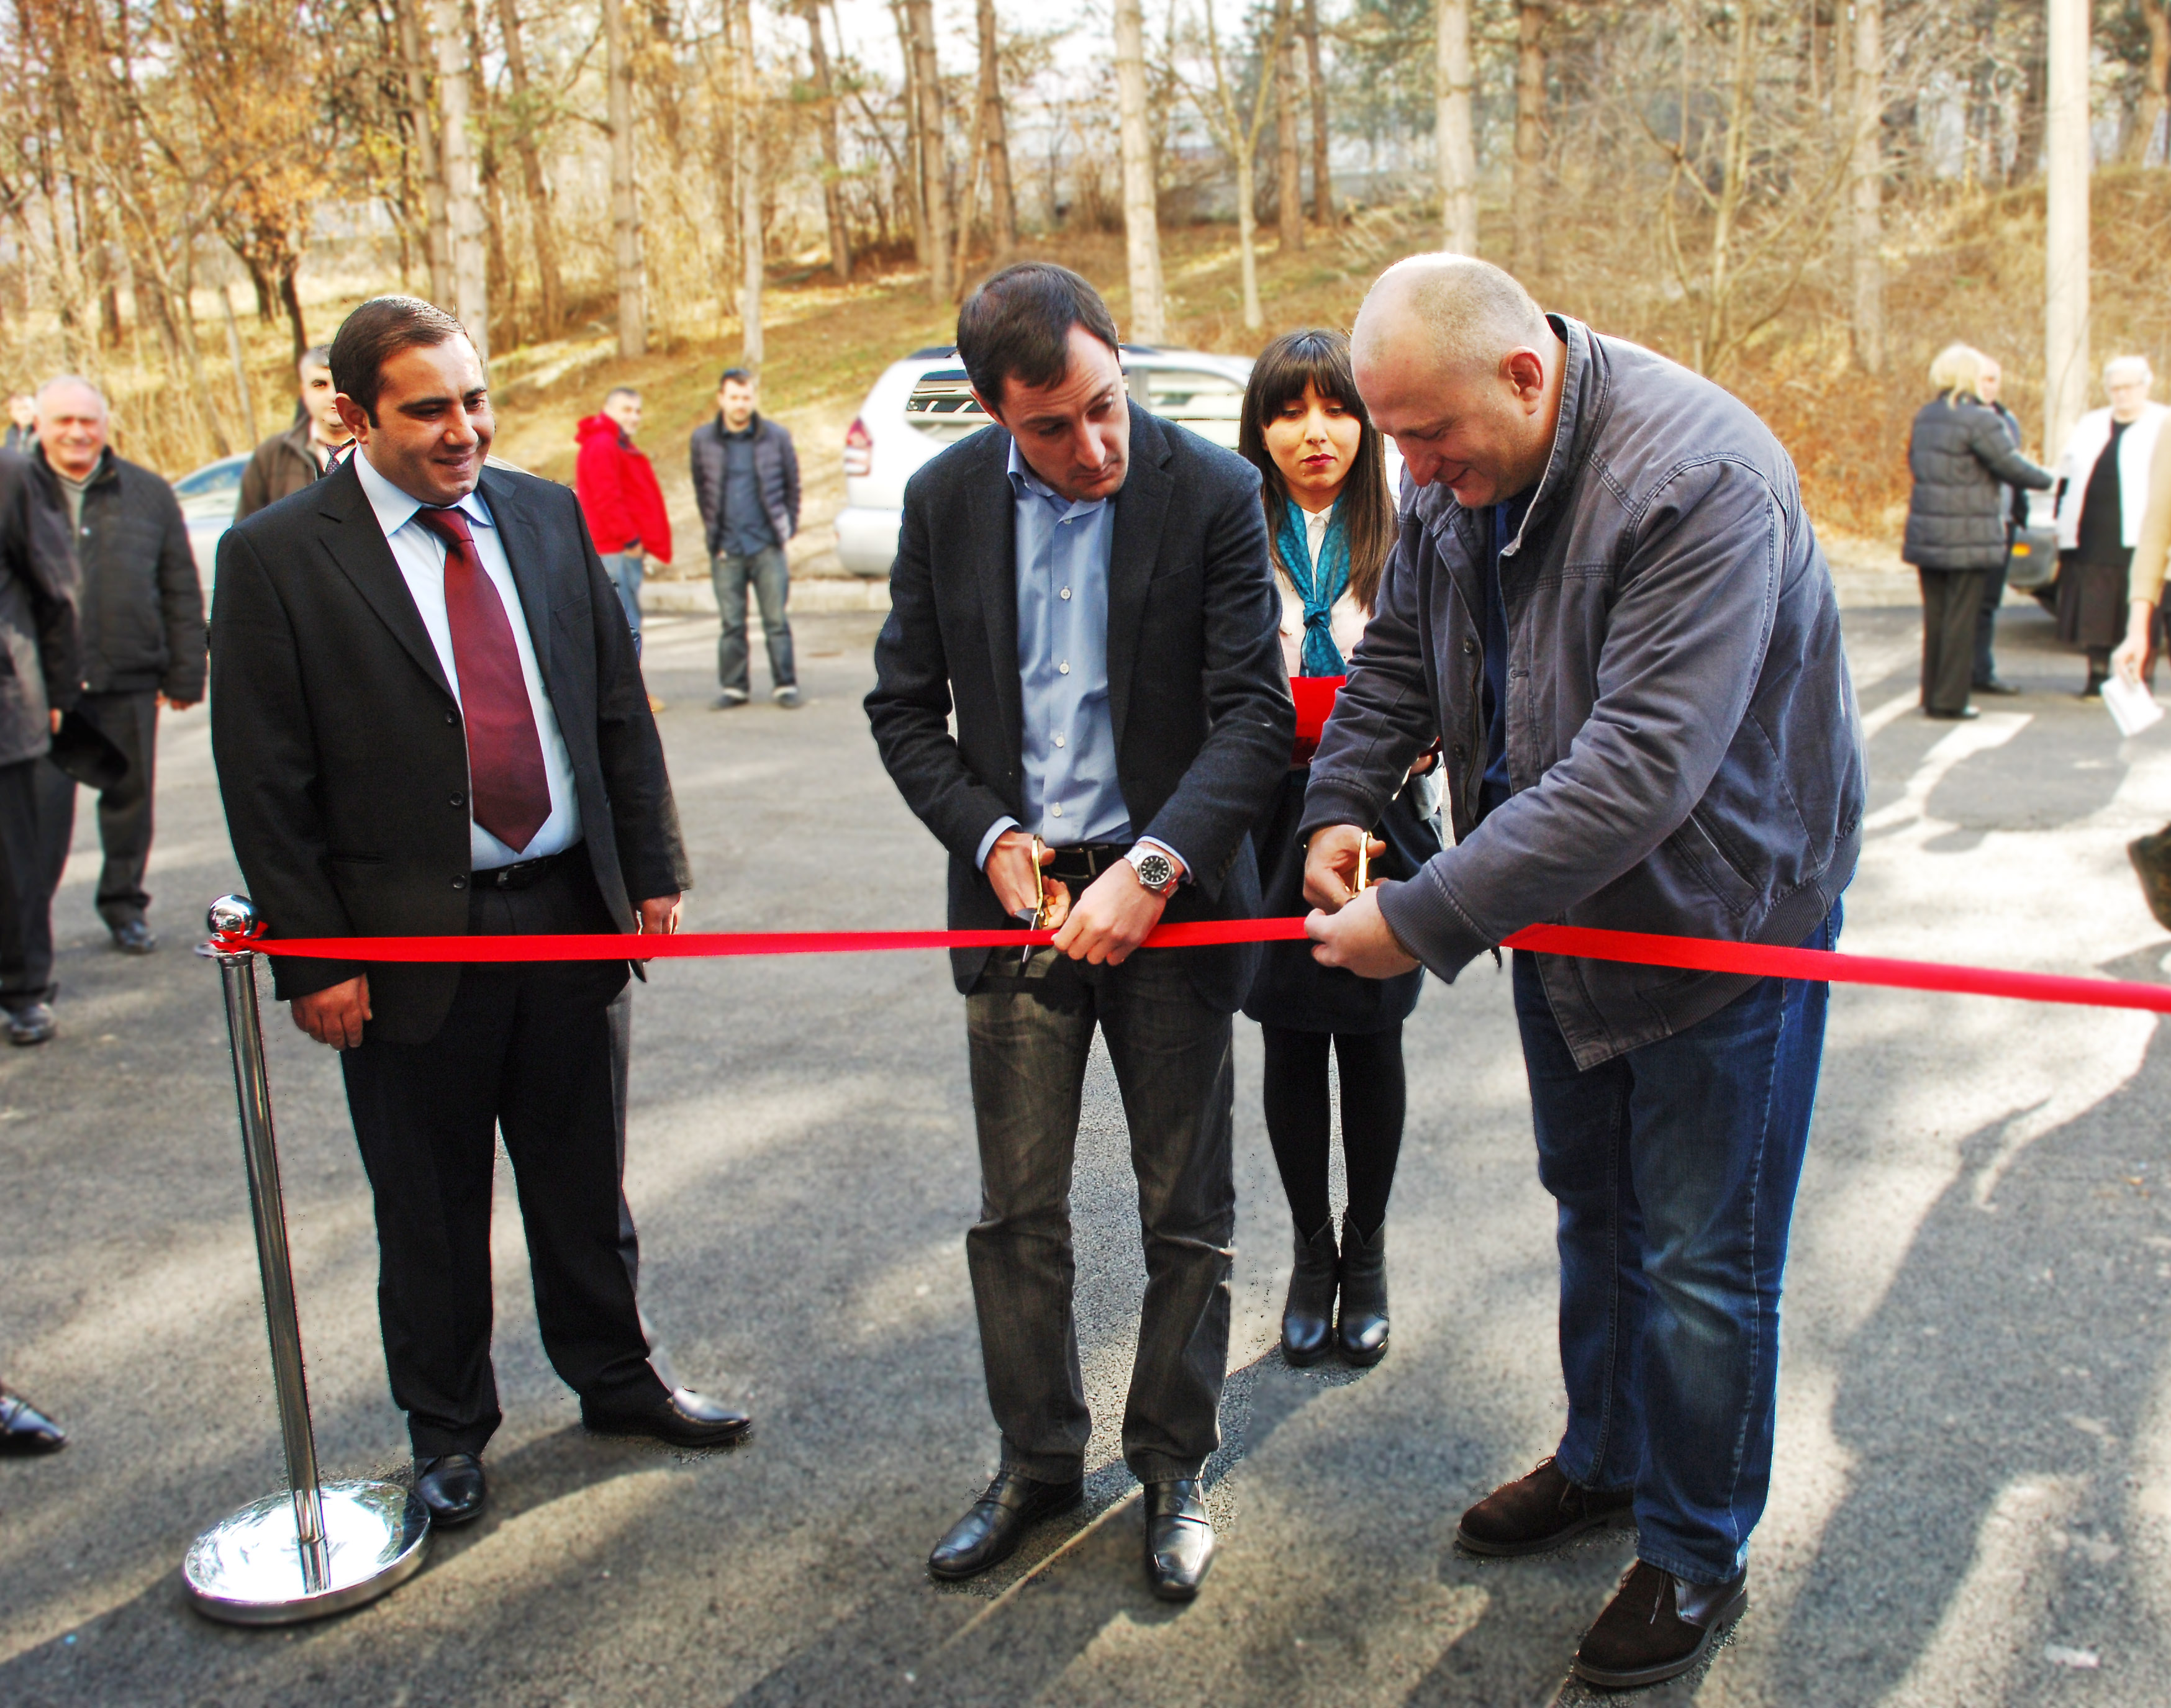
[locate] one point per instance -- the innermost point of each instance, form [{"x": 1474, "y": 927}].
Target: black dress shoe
[
  {"x": 451, "y": 1486},
  {"x": 990, "y": 1533},
  {"x": 134, "y": 937},
  {"x": 24, "y": 1429},
  {"x": 1179, "y": 1538},
  {"x": 1997, "y": 685},
  {"x": 1538, "y": 1512},
  {"x": 682, "y": 1418},
  {"x": 1363, "y": 1329},
  {"x": 31, "y": 1024},
  {"x": 1952, "y": 717},
  {"x": 1308, "y": 1317},
  {"x": 1656, "y": 1627}
]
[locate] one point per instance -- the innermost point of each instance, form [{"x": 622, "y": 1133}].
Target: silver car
[
  {"x": 925, "y": 403},
  {"x": 208, "y": 496}
]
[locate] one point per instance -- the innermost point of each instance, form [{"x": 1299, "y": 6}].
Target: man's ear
[
  {"x": 1525, "y": 371},
  {"x": 355, "y": 416}
]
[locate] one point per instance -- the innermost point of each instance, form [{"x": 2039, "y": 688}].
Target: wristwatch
[{"x": 1156, "y": 870}]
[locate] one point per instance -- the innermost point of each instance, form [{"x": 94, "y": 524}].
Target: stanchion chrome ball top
[{"x": 248, "y": 1570}]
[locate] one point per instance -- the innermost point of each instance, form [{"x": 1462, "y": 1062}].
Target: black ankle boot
[
  {"x": 1308, "y": 1318},
  {"x": 1363, "y": 1328}
]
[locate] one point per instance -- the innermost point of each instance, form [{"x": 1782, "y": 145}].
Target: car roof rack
[{"x": 932, "y": 349}]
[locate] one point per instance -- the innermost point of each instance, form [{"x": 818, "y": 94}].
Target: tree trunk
[
  {"x": 2148, "y": 116},
  {"x": 422, "y": 123},
  {"x": 1141, "y": 198},
  {"x": 1247, "y": 238},
  {"x": 934, "y": 158},
  {"x": 994, "y": 138},
  {"x": 833, "y": 192},
  {"x": 1456, "y": 138},
  {"x": 470, "y": 303},
  {"x": 625, "y": 189},
  {"x": 542, "y": 229},
  {"x": 2065, "y": 360},
  {"x": 753, "y": 252},
  {"x": 240, "y": 362},
  {"x": 1531, "y": 17},
  {"x": 1322, "y": 170},
  {"x": 1289, "y": 148},
  {"x": 912, "y": 176},
  {"x": 290, "y": 298},
  {"x": 1866, "y": 169}
]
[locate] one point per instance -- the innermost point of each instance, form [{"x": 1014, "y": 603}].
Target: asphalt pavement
[{"x": 1972, "y": 1500}]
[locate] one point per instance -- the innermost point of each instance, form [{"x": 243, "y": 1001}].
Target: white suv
[{"x": 925, "y": 403}]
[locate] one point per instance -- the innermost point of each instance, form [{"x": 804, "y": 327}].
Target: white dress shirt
[{"x": 420, "y": 556}]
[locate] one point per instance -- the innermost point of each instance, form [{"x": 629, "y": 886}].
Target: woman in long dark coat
[
  {"x": 1322, "y": 478},
  {"x": 1962, "y": 460},
  {"x": 2102, "y": 484}
]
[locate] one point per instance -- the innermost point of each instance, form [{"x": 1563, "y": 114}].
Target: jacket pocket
[{"x": 1697, "y": 850}]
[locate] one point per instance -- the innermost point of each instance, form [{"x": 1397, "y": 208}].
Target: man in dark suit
[
  {"x": 1089, "y": 588},
  {"x": 428, "y": 720}
]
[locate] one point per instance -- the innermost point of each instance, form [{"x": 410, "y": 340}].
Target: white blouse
[{"x": 1347, "y": 617}]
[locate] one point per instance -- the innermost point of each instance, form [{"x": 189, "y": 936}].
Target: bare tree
[
  {"x": 933, "y": 160},
  {"x": 1322, "y": 171},
  {"x": 1289, "y": 152},
  {"x": 994, "y": 147},
  {"x": 1868, "y": 170},
  {"x": 2155, "y": 84},
  {"x": 470, "y": 303},
  {"x": 422, "y": 128},
  {"x": 526, "y": 121},
  {"x": 1141, "y": 193},
  {"x": 754, "y": 251},
  {"x": 1454, "y": 129},
  {"x": 1240, "y": 140},
  {"x": 833, "y": 192},
  {"x": 1527, "y": 220},
  {"x": 626, "y": 187}
]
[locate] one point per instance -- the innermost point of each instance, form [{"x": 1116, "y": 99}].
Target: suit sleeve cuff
[
  {"x": 1183, "y": 866},
  {"x": 987, "y": 842}
]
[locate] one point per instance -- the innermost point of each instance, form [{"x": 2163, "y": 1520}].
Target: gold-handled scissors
[
  {"x": 1039, "y": 904},
  {"x": 1363, "y": 850}
]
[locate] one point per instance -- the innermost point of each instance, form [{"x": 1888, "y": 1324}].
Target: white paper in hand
[{"x": 2131, "y": 707}]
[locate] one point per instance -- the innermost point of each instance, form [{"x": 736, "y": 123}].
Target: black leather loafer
[
  {"x": 1179, "y": 1538},
  {"x": 24, "y": 1429},
  {"x": 1656, "y": 1627},
  {"x": 990, "y": 1533},
  {"x": 1538, "y": 1512},
  {"x": 682, "y": 1418},
  {"x": 451, "y": 1486}
]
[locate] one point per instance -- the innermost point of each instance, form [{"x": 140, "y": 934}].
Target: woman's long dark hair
[{"x": 1320, "y": 358}]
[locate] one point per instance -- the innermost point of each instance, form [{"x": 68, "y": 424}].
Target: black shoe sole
[
  {"x": 1542, "y": 1545},
  {"x": 959, "y": 1574},
  {"x": 1607, "y": 1681},
  {"x": 1304, "y": 1361},
  {"x": 636, "y": 1430},
  {"x": 452, "y": 1520},
  {"x": 1174, "y": 1593},
  {"x": 1362, "y": 1360}
]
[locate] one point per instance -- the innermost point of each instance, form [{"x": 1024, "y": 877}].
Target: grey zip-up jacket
[{"x": 1683, "y": 742}]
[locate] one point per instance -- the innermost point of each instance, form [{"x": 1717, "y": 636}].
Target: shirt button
[
  {"x": 459, "y": 883},
  {"x": 451, "y": 717},
  {"x": 1469, "y": 645},
  {"x": 1066, "y": 593},
  {"x": 459, "y": 800},
  {"x": 1064, "y": 668},
  {"x": 1055, "y": 813},
  {"x": 1059, "y": 741}
]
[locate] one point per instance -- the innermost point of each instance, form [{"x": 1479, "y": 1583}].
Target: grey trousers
[
  {"x": 130, "y": 722},
  {"x": 1029, "y": 1038},
  {"x": 765, "y": 572}
]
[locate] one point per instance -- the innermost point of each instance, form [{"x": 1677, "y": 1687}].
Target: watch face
[{"x": 1155, "y": 870}]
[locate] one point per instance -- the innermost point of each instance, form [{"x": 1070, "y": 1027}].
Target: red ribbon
[{"x": 1692, "y": 954}]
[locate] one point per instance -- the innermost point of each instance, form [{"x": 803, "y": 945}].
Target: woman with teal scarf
[{"x": 1322, "y": 478}]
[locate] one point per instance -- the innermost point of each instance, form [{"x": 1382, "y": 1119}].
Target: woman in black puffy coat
[{"x": 1962, "y": 459}]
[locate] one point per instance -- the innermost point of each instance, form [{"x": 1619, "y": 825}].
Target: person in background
[
  {"x": 287, "y": 462},
  {"x": 1989, "y": 381},
  {"x": 22, "y": 423},
  {"x": 1962, "y": 460},
  {"x": 620, "y": 498},
  {"x": 745, "y": 481},
  {"x": 2103, "y": 480},
  {"x": 140, "y": 607},
  {"x": 1330, "y": 522}
]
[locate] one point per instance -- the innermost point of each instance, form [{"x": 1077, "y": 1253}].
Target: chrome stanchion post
[{"x": 320, "y": 1547}]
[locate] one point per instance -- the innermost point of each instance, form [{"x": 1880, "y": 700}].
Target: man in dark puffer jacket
[
  {"x": 1962, "y": 459},
  {"x": 141, "y": 613}
]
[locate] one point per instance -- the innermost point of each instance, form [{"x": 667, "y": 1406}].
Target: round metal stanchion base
[{"x": 247, "y": 1569}]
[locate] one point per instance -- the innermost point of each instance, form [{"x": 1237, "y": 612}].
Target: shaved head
[{"x": 1463, "y": 372}]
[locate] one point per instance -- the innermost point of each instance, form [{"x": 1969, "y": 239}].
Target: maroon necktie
[{"x": 504, "y": 754}]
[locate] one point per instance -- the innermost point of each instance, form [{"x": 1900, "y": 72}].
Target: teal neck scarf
[{"x": 1319, "y": 585}]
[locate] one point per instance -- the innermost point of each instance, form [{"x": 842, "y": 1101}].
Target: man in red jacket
[{"x": 619, "y": 497}]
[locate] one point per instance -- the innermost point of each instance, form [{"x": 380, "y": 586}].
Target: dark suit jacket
[
  {"x": 1197, "y": 689},
  {"x": 41, "y": 668},
  {"x": 340, "y": 753}
]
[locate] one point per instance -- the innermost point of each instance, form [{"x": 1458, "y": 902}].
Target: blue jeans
[
  {"x": 731, "y": 575},
  {"x": 1674, "y": 1167},
  {"x": 624, "y": 570}
]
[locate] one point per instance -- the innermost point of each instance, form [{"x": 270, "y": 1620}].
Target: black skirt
[
  {"x": 2091, "y": 600},
  {"x": 1293, "y": 990}
]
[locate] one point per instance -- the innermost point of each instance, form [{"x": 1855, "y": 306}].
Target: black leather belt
[
  {"x": 1081, "y": 862},
  {"x": 521, "y": 875}
]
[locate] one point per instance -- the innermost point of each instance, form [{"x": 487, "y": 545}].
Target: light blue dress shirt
[
  {"x": 1071, "y": 792},
  {"x": 420, "y": 556}
]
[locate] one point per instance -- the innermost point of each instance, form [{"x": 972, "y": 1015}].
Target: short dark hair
[
  {"x": 377, "y": 331},
  {"x": 740, "y": 374},
  {"x": 316, "y": 355},
  {"x": 1017, "y": 326},
  {"x": 622, "y": 391}
]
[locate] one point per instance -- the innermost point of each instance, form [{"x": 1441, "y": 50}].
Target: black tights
[{"x": 1300, "y": 1126}]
